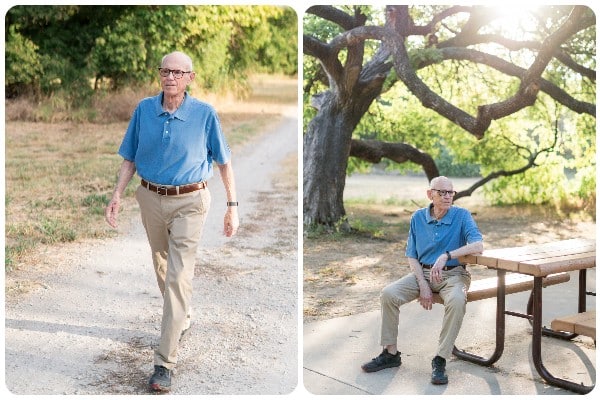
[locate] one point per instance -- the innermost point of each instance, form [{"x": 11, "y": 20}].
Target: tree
[
  {"x": 123, "y": 45},
  {"x": 23, "y": 65},
  {"x": 427, "y": 56}
]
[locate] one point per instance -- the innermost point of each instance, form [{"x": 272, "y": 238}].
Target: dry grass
[{"x": 60, "y": 175}]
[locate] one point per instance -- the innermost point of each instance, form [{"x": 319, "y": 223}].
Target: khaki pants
[
  {"x": 174, "y": 226},
  {"x": 453, "y": 290}
]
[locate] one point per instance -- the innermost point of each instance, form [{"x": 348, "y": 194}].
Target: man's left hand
[
  {"x": 435, "y": 274},
  {"x": 231, "y": 222}
]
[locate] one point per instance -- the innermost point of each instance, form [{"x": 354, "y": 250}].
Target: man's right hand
[
  {"x": 111, "y": 212},
  {"x": 426, "y": 297}
]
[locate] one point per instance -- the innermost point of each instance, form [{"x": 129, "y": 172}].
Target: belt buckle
[{"x": 159, "y": 190}]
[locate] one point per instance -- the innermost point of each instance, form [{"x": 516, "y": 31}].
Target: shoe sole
[
  {"x": 379, "y": 368},
  {"x": 440, "y": 382}
]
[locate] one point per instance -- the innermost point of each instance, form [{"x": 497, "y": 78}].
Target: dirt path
[{"x": 91, "y": 316}]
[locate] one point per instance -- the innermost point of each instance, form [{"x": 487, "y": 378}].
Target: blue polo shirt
[
  {"x": 429, "y": 238},
  {"x": 178, "y": 148}
]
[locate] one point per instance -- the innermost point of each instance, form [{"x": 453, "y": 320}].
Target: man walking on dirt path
[
  {"x": 172, "y": 141},
  {"x": 438, "y": 235}
]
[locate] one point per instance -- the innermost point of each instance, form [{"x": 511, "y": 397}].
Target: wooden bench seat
[
  {"x": 582, "y": 324},
  {"x": 487, "y": 288}
]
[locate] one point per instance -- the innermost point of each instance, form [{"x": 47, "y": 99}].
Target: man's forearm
[
  {"x": 125, "y": 174},
  {"x": 228, "y": 179},
  {"x": 417, "y": 269},
  {"x": 471, "y": 248}
]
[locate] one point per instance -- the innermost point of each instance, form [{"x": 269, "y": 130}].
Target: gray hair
[
  {"x": 188, "y": 59},
  {"x": 437, "y": 179}
]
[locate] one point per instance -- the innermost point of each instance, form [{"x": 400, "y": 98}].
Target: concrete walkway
[{"x": 335, "y": 349}]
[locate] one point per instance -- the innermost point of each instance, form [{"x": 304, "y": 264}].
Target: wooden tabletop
[{"x": 539, "y": 259}]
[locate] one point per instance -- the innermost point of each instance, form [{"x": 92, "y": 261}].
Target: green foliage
[
  {"x": 585, "y": 188},
  {"x": 372, "y": 227},
  {"x": 23, "y": 65},
  {"x": 448, "y": 165},
  {"x": 119, "y": 54},
  {"x": 424, "y": 56},
  {"x": 83, "y": 48},
  {"x": 280, "y": 54},
  {"x": 542, "y": 185},
  {"x": 336, "y": 231},
  {"x": 65, "y": 36},
  {"x": 398, "y": 117}
]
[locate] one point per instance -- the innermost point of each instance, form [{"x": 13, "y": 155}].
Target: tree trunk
[{"x": 325, "y": 155}]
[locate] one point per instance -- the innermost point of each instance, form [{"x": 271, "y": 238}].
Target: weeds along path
[{"x": 90, "y": 324}]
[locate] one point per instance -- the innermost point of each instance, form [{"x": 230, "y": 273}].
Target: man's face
[
  {"x": 170, "y": 84},
  {"x": 442, "y": 194}
]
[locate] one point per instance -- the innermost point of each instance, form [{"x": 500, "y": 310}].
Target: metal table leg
[
  {"x": 536, "y": 348},
  {"x": 580, "y": 308}
]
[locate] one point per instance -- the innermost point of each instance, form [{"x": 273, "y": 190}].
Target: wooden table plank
[
  {"x": 524, "y": 258},
  {"x": 550, "y": 265},
  {"x": 563, "y": 245}
]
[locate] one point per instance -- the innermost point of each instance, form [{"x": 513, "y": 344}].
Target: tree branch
[
  {"x": 328, "y": 58},
  {"x": 423, "y": 30},
  {"x": 355, "y": 36},
  {"x": 334, "y": 15},
  {"x": 327, "y": 54},
  {"x": 374, "y": 150},
  {"x": 531, "y": 163},
  {"x": 428, "y": 97},
  {"x": 530, "y": 81},
  {"x": 510, "y": 69},
  {"x": 551, "y": 44},
  {"x": 524, "y": 97}
]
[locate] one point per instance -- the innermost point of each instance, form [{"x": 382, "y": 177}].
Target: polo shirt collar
[
  {"x": 445, "y": 219},
  {"x": 181, "y": 113}
]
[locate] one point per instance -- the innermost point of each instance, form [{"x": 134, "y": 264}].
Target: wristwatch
[
  {"x": 448, "y": 254},
  {"x": 232, "y": 204}
]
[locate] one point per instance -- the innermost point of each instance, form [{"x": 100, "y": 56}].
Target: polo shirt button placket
[{"x": 166, "y": 131}]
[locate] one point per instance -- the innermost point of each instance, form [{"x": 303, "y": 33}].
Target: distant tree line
[{"x": 87, "y": 48}]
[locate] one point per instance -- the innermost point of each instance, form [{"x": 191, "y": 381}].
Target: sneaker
[
  {"x": 438, "y": 375},
  {"x": 384, "y": 360},
  {"x": 161, "y": 379}
]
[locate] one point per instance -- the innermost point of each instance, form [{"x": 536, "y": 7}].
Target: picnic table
[{"x": 538, "y": 261}]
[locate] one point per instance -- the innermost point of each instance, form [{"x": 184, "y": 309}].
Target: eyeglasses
[
  {"x": 177, "y": 73},
  {"x": 444, "y": 193}
]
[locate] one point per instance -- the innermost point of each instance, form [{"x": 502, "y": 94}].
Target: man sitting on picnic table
[{"x": 438, "y": 235}]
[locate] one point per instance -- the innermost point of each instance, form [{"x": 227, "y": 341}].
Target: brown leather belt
[{"x": 174, "y": 190}]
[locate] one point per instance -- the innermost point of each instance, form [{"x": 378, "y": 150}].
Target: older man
[
  {"x": 438, "y": 235},
  {"x": 172, "y": 141}
]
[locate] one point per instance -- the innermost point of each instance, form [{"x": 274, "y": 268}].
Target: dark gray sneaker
[
  {"x": 384, "y": 360},
  {"x": 161, "y": 379},
  {"x": 438, "y": 374}
]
